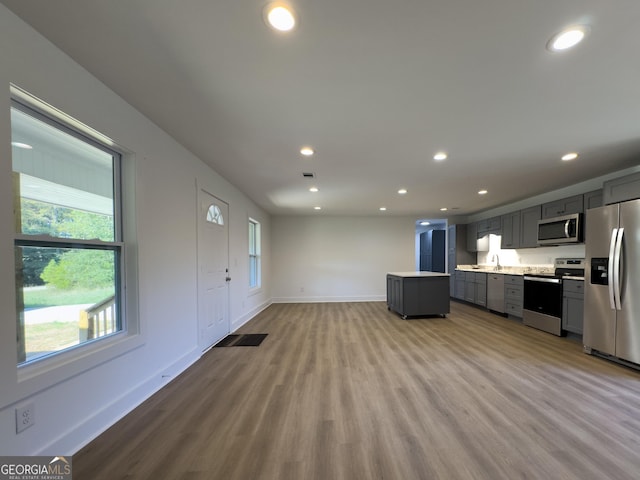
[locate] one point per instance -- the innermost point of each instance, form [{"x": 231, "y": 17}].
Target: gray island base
[{"x": 418, "y": 294}]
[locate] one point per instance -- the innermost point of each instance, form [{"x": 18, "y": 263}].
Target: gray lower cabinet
[
  {"x": 513, "y": 294},
  {"x": 459, "y": 284},
  {"x": 495, "y": 292},
  {"x": 475, "y": 288},
  {"x": 572, "y": 305},
  {"x": 470, "y": 287},
  {"x": 481, "y": 289},
  {"x": 418, "y": 295}
]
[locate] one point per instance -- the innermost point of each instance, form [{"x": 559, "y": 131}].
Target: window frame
[
  {"x": 26, "y": 379},
  {"x": 116, "y": 245},
  {"x": 255, "y": 256}
]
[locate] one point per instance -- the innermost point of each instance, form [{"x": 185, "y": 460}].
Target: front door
[{"x": 213, "y": 270}]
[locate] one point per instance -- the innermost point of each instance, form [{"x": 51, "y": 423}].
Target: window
[
  {"x": 254, "y": 254},
  {"x": 214, "y": 215},
  {"x": 68, "y": 235}
]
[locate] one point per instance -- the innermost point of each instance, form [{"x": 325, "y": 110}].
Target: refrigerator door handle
[
  {"x": 612, "y": 249},
  {"x": 616, "y": 269}
]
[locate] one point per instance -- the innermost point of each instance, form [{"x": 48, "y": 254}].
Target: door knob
[{"x": 228, "y": 279}]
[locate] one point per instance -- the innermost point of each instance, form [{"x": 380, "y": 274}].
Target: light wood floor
[{"x": 351, "y": 391}]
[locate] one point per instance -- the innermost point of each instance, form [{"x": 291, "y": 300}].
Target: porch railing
[{"x": 98, "y": 320}]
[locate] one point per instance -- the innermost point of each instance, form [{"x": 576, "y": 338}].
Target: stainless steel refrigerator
[{"x": 612, "y": 281}]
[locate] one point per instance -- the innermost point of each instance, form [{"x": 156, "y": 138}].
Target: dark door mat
[
  {"x": 246, "y": 340},
  {"x": 227, "y": 341}
]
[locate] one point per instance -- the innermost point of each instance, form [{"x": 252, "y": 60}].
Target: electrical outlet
[{"x": 25, "y": 417}]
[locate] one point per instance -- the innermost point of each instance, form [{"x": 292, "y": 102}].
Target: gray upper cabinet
[
  {"x": 480, "y": 229},
  {"x": 566, "y": 206},
  {"x": 472, "y": 237},
  {"x": 510, "y": 230},
  {"x": 520, "y": 229},
  {"x": 593, "y": 199},
  {"x": 621, "y": 189},
  {"x": 529, "y": 227},
  {"x": 489, "y": 225},
  {"x": 458, "y": 251}
]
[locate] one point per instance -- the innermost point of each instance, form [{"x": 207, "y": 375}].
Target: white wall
[
  {"x": 323, "y": 259},
  {"x": 314, "y": 258},
  {"x": 71, "y": 411}
]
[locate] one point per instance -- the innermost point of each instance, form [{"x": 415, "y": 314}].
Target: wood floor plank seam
[{"x": 352, "y": 391}]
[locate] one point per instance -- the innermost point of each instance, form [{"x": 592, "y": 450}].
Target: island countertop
[{"x": 418, "y": 274}]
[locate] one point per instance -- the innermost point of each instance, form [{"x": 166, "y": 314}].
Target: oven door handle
[{"x": 543, "y": 280}]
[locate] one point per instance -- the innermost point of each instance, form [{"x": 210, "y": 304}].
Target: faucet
[{"x": 497, "y": 259}]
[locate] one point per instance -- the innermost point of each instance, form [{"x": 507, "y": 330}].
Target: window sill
[{"x": 49, "y": 371}]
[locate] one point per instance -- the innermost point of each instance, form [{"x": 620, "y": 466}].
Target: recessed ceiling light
[
  {"x": 567, "y": 38},
  {"x": 382, "y": 209},
  {"x": 482, "y": 192},
  {"x": 280, "y": 16},
  {"x": 313, "y": 189},
  {"x": 440, "y": 156},
  {"x": 425, "y": 223},
  {"x": 570, "y": 156},
  {"x": 307, "y": 151},
  {"x": 317, "y": 208},
  {"x": 26, "y": 146},
  {"x": 402, "y": 191},
  {"x": 443, "y": 209}
]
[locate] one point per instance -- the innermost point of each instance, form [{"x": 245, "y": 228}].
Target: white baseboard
[
  {"x": 332, "y": 299},
  {"x": 72, "y": 440},
  {"x": 238, "y": 322}
]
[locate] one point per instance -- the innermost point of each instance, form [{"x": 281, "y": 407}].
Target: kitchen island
[{"x": 418, "y": 294}]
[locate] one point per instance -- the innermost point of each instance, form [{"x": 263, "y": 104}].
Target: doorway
[
  {"x": 213, "y": 269},
  {"x": 431, "y": 245}
]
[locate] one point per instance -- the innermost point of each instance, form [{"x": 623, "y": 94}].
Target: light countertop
[
  {"x": 514, "y": 270},
  {"x": 418, "y": 274},
  {"x": 507, "y": 270}
]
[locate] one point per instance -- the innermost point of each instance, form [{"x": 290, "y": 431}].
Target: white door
[{"x": 213, "y": 270}]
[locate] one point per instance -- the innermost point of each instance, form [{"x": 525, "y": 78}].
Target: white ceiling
[{"x": 376, "y": 87}]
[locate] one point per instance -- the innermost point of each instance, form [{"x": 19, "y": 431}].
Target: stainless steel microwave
[{"x": 560, "y": 230}]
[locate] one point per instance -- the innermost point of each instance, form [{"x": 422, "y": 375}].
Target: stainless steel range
[{"x": 542, "y": 307}]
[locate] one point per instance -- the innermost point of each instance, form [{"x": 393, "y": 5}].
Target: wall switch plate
[{"x": 25, "y": 417}]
